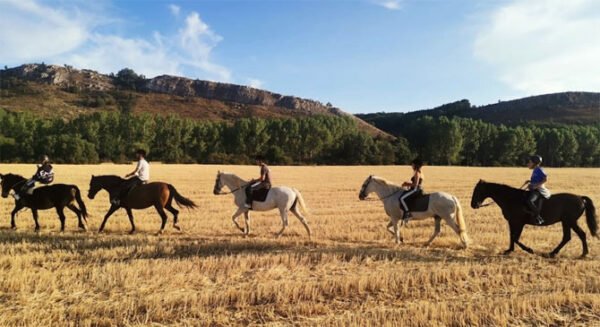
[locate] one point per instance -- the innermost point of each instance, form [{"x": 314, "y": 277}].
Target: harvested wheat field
[{"x": 350, "y": 273}]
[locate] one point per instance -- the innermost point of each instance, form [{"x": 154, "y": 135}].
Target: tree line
[{"x": 114, "y": 136}]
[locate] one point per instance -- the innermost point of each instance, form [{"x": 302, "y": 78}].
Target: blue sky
[{"x": 362, "y": 56}]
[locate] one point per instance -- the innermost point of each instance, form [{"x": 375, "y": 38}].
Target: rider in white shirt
[{"x": 139, "y": 176}]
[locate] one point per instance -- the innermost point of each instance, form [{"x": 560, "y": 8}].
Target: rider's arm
[
  {"x": 535, "y": 186},
  {"x": 137, "y": 168}
]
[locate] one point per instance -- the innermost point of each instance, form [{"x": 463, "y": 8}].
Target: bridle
[
  {"x": 230, "y": 192},
  {"x": 380, "y": 198}
]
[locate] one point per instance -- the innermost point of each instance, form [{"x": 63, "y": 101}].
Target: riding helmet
[
  {"x": 417, "y": 162},
  {"x": 536, "y": 159},
  {"x": 44, "y": 158}
]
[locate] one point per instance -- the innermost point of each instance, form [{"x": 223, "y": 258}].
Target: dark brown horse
[
  {"x": 157, "y": 194},
  {"x": 563, "y": 207},
  {"x": 56, "y": 196}
]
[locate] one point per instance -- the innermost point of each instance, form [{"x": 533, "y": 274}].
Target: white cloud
[
  {"x": 29, "y": 30},
  {"x": 32, "y": 32},
  {"x": 255, "y": 83},
  {"x": 174, "y": 9},
  {"x": 390, "y": 4},
  {"x": 543, "y": 46}
]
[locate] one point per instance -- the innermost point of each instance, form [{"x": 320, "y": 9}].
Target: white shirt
[{"x": 143, "y": 170}]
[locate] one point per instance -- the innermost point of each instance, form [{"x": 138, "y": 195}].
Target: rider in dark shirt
[
  {"x": 413, "y": 187},
  {"x": 263, "y": 182},
  {"x": 44, "y": 175}
]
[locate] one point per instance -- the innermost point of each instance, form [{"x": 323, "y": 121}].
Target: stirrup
[
  {"x": 539, "y": 220},
  {"x": 16, "y": 196}
]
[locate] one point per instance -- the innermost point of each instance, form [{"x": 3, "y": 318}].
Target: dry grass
[{"x": 350, "y": 274}]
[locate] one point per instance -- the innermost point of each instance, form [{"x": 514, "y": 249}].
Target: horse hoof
[
  {"x": 159, "y": 232},
  {"x": 13, "y": 227},
  {"x": 177, "y": 227},
  {"x": 507, "y": 252},
  {"x": 583, "y": 256}
]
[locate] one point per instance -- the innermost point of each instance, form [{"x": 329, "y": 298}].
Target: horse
[
  {"x": 563, "y": 207},
  {"x": 441, "y": 206},
  {"x": 157, "y": 194},
  {"x": 283, "y": 198},
  {"x": 56, "y": 196}
]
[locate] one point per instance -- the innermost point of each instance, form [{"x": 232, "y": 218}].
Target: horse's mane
[
  {"x": 15, "y": 176},
  {"x": 387, "y": 183},
  {"x": 113, "y": 179},
  {"x": 234, "y": 176},
  {"x": 505, "y": 188}
]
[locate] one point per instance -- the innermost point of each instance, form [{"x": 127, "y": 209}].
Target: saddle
[
  {"x": 417, "y": 202},
  {"x": 260, "y": 195}
]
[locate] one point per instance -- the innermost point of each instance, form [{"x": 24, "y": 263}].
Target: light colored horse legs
[
  {"x": 297, "y": 213},
  {"x": 436, "y": 231},
  {"x": 247, "y": 219},
  {"x": 234, "y": 218},
  {"x": 284, "y": 221}
]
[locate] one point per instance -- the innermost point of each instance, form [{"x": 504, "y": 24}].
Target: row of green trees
[{"x": 114, "y": 136}]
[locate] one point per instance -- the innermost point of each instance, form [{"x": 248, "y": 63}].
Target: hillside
[
  {"x": 57, "y": 91},
  {"x": 566, "y": 107}
]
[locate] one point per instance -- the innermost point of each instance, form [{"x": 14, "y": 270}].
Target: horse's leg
[
  {"x": 112, "y": 209},
  {"x": 163, "y": 216},
  {"x": 234, "y": 218},
  {"x": 298, "y": 215},
  {"x": 399, "y": 239},
  {"x": 515, "y": 229},
  {"x": 436, "y": 231},
  {"x": 61, "y": 215},
  {"x": 284, "y": 221},
  {"x": 517, "y": 236},
  {"x": 130, "y": 215},
  {"x": 389, "y": 226},
  {"x": 247, "y": 220},
  {"x": 175, "y": 213},
  {"x": 78, "y": 213},
  {"x": 566, "y": 238},
  {"x": 34, "y": 212},
  {"x": 581, "y": 235},
  {"x": 13, "y": 214}
]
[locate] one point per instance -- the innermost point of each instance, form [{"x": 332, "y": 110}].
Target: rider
[
  {"x": 263, "y": 182},
  {"x": 44, "y": 175},
  {"x": 139, "y": 176},
  {"x": 537, "y": 189},
  {"x": 413, "y": 186}
]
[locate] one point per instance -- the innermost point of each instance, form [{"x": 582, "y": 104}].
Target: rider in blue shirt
[{"x": 537, "y": 190}]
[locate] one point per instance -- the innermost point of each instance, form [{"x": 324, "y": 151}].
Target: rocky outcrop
[
  {"x": 64, "y": 76},
  {"x": 231, "y": 93}
]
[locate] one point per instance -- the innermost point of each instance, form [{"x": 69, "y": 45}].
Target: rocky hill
[{"x": 52, "y": 90}]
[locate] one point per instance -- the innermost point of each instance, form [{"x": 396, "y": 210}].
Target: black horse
[
  {"x": 157, "y": 194},
  {"x": 56, "y": 196},
  {"x": 563, "y": 207}
]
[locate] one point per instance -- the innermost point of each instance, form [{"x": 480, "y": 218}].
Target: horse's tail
[
  {"x": 80, "y": 202},
  {"x": 300, "y": 201},
  {"x": 460, "y": 221},
  {"x": 181, "y": 200},
  {"x": 590, "y": 215}
]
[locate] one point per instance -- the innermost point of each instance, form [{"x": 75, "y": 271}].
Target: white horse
[
  {"x": 441, "y": 206},
  {"x": 284, "y": 198}
]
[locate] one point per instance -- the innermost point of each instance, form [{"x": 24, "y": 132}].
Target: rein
[
  {"x": 234, "y": 190},
  {"x": 494, "y": 202}
]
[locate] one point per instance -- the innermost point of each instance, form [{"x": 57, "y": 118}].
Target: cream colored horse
[
  {"x": 283, "y": 198},
  {"x": 441, "y": 206}
]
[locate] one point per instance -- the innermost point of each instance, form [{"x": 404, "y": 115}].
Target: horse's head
[
  {"x": 95, "y": 187},
  {"x": 479, "y": 194},
  {"x": 218, "y": 184},
  {"x": 366, "y": 188},
  {"x": 8, "y": 182}
]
